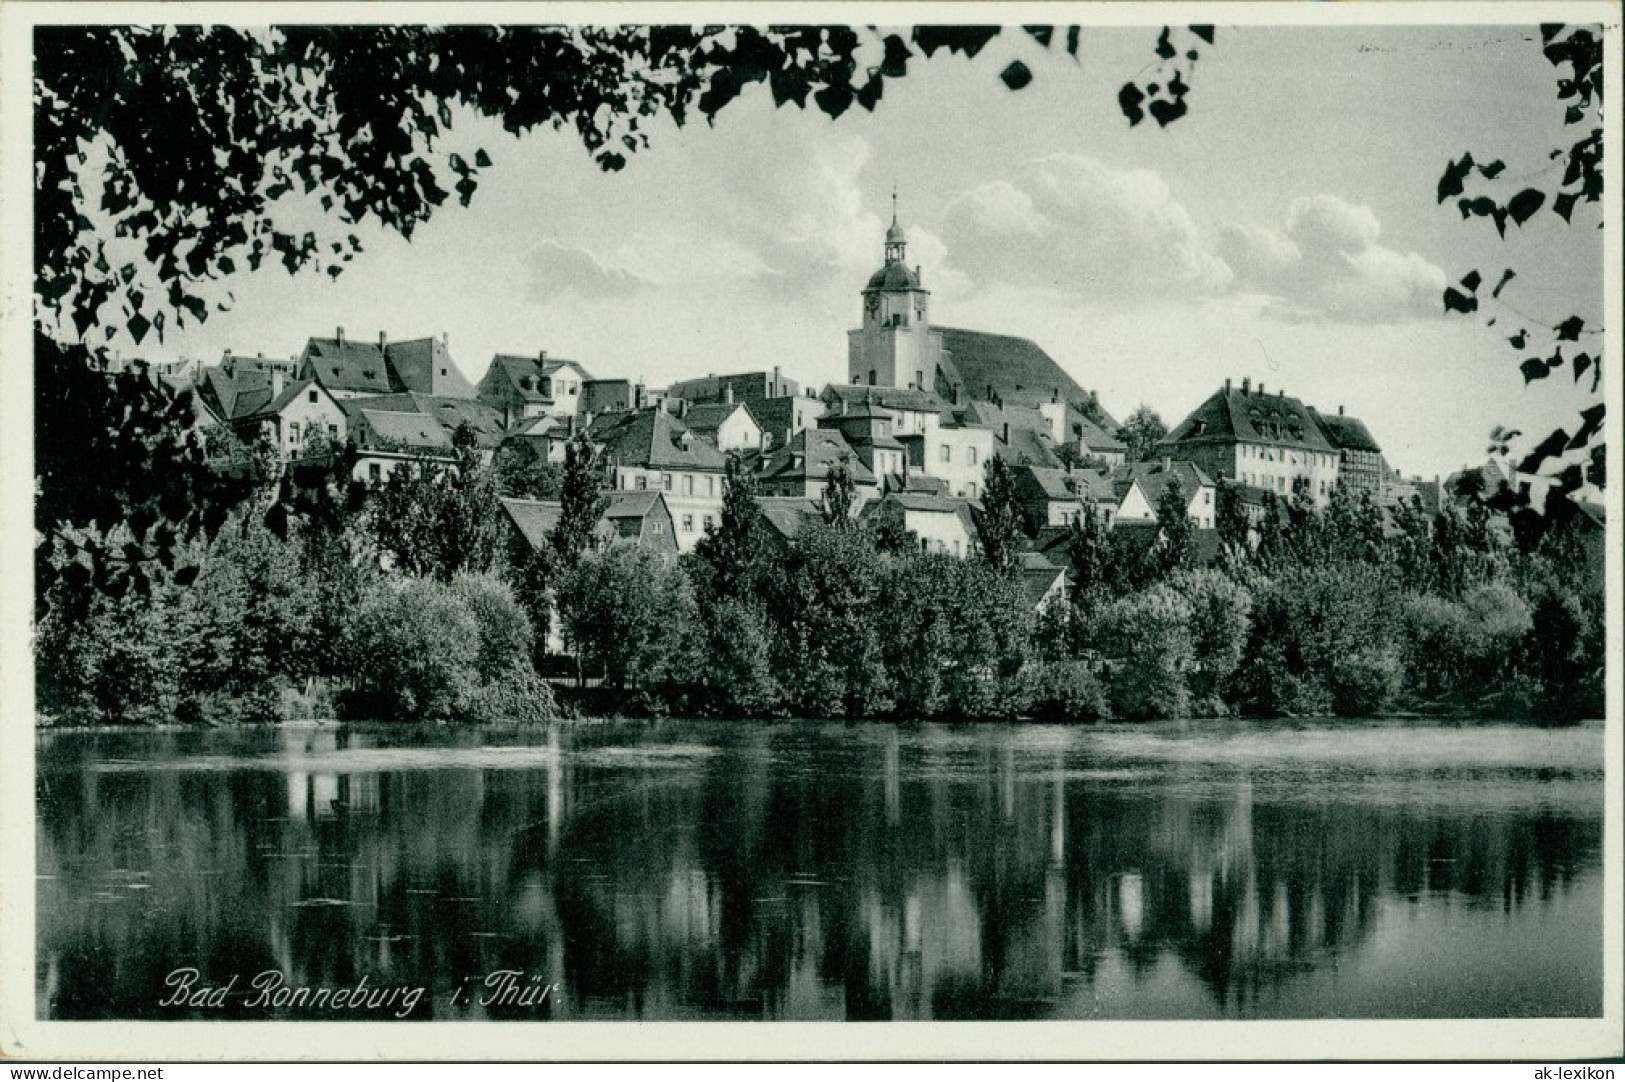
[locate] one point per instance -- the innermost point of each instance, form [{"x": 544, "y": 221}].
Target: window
[
  {"x": 293, "y": 432},
  {"x": 947, "y": 453},
  {"x": 970, "y": 455},
  {"x": 708, "y": 522},
  {"x": 970, "y": 489},
  {"x": 956, "y": 546},
  {"x": 332, "y": 432},
  {"x": 657, "y": 528},
  {"x": 375, "y": 472},
  {"x": 665, "y": 482},
  {"x": 871, "y": 377},
  {"x": 688, "y": 484},
  {"x": 643, "y": 483},
  {"x": 710, "y": 486},
  {"x": 688, "y": 523},
  {"x": 313, "y": 396},
  {"x": 442, "y": 371}
]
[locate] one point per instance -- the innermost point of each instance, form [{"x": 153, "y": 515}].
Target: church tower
[{"x": 895, "y": 345}]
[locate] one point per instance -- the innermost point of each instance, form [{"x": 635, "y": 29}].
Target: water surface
[{"x": 689, "y": 870}]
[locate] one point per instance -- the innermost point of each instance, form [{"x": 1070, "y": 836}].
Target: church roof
[{"x": 1018, "y": 369}]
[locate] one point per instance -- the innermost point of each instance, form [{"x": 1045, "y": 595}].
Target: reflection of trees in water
[{"x": 794, "y": 872}]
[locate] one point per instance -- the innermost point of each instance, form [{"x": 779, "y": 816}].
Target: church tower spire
[
  {"x": 895, "y": 345},
  {"x": 895, "y": 242}
]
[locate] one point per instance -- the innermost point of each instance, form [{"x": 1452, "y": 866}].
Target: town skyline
[{"x": 1151, "y": 264}]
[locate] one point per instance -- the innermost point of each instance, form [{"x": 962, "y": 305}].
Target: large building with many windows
[{"x": 1269, "y": 440}]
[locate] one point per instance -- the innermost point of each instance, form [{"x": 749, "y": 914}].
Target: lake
[{"x": 707, "y": 870}]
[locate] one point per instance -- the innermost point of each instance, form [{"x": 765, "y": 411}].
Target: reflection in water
[{"x": 689, "y": 870}]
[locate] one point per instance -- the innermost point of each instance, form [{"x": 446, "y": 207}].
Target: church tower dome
[{"x": 895, "y": 345}]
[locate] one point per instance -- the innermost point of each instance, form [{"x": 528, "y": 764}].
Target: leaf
[
  {"x": 1573, "y": 114},
  {"x": 1072, "y": 33},
  {"x": 482, "y": 159},
  {"x": 1506, "y": 276},
  {"x": 1457, "y": 301},
  {"x": 1534, "y": 368},
  {"x": 1591, "y": 423},
  {"x": 186, "y": 576},
  {"x": 138, "y": 327},
  {"x": 1166, "y": 112},
  {"x": 1519, "y": 340},
  {"x": 1525, "y": 203},
  {"x": 1550, "y": 447},
  {"x": 1129, "y": 99},
  {"x": 1548, "y": 31},
  {"x": 1450, "y": 184},
  {"x": 1471, "y": 280},
  {"x": 1569, "y": 330},
  {"x": 1164, "y": 48},
  {"x": 1041, "y": 34},
  {"x": 1017, "y": 75},
  {"x": 1581, "y": 363},
  {"x": 1492, "y": 170},
  {"x": 1564, "y": 204},
  {"x": 1205, "y": 32}
]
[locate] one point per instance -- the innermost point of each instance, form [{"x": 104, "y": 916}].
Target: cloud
[
  {"x": 1071, "y": 225},
  {"x": 553, "y": 270},
  {"x": 1326, "y": 264}
]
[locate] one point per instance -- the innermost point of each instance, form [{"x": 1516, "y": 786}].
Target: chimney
[
  {"x": 541, "y": 356},
  {"x": 338, "y": 336},
  {"x": 990, "y": 392},
  {"x": 445, "y": 340},
  {"x": 1261, "y": 390},
  {"x": 1227, "y": 385},
  {"x": 778, "y": 388},
  {"x": 276, "y": 382},
  {"x": 1167, "y": 464},
  {"x": 383, "y": 340},
  {"x": 1340, "y": 409},
  {"x": 728, "y": 394},
  {"x": 1007, "y": 432},
  {"x": 1280, "y": 392},
  {"x": 1246, "y": 384},
  {"x": 958, "y": 393}
]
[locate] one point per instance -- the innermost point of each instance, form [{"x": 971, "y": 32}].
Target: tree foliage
[
  {"x": 1140, "y": 433},
  {"x": 999, "y": 524}
]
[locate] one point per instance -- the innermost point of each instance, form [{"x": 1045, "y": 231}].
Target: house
[
  {"x": 518, "y": 387},
  {"x": 650, "y": 450},
  {"x": 801, "y": 467},
  {"x": 640, "y": 517},
  {"x": 1042, "y": 583},
  {"x": 233, "y": 363},
  {"x": 954, "y": 454},
  {"x": 1361, "y": 470},
  {"x": 1054, "y": 497},
  {"x": 938, "y": 523},
  {"x": 912, "y": 411},
  {"x": 1021, "y": 434},
  {"x": 347, "y": 368},
  {"x": 784, "y": 518},
  {"x": 729, "y": 425},
  {"x": 1143, "y": 483},
  {"x": 866, "y": 428},
  {"x": 736, "y": 387},
  {"x": 259, "y": 403},
  {"x": 388, "y": 440},
  {"x": 548, "y": 435},
  {"x": 1272, "y": 441},
  {"x": 781, "y": 418},
  {"x": 607, "y": 395},
  {"x": 482, "y": 420}
]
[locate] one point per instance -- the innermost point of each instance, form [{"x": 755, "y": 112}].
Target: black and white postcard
[{"x": 1006, "y": 520}]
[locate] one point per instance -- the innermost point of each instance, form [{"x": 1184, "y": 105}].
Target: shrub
[
  {"x": 414, "y": 651},
  {"x": 1068, "y": 691},
  {"x": 740, "y": 666},
  {"x": 1365, "y": 683},
  {"x": 1148, "y": 637},
  {"x": 505, "y": 631},
  {"x": 1220, "y": 618},
  {"x": 518, "y": 694}
]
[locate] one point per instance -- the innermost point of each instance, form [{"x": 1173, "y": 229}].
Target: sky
[{"x": 1285, "y": 230}]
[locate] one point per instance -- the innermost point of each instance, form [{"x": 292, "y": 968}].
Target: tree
[
  {"x": 630, "y": 614},
  {"x": 1175, "y": 528},
  {"x": 523, "y": 473},
  {"x": 1230, "y": 520},
  {"x": 1540, "y": 342},
  {"x": 1088, "y": 550},
  {"x": 438, "y": 517},
  {"x": 999, "y": 525},
  {"x": 170, "y": 159},
  {"x": 733, "y": 554},
  {"x": 1141, "y": 432},
  {"x": 581, "y": 500},
  {"x": 840, "y": 493}
]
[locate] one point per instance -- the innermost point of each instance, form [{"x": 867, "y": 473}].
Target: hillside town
[{"x": 924, "y": 408}]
